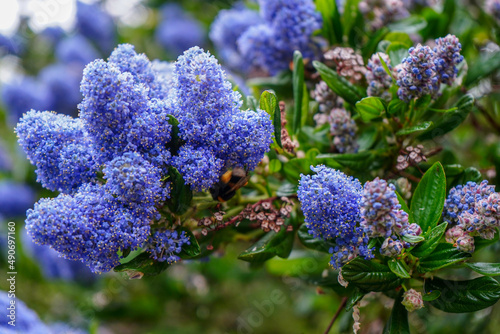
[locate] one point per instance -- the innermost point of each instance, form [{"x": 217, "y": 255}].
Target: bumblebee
[{"x": 229, "y": 182}]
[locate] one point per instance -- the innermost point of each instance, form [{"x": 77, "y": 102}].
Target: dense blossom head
[
  {"x": 379, "y": 81},
  {"x": 381, "y": 211},
  {"x": 447, "y": 53},
  {"x": 178, "y": 30},
  {"x": 417, "y": 74},
  {"x": 60, "y": 149},
  {"x": 95, "y": 24},
  {"x": 347, "y": 62},
  {"x": 331, "y": 204},
  {"x": 165, "y": 245},
  {"x": 343, "y": 129},
  {"x": 412, "y": 300},
  {"x": 392, "y": 247},
  {"x": 227, "y": 27},
  {"x": 288, "y": 26}
]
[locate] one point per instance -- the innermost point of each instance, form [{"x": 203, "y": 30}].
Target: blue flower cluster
[
  {"x": 471, "y": 210},
  {"x": 96, "y": 25},
  {"x": 417, "y": 74},
  {"x": 164, "y": 245},
  {"x": 447, "y": 52},
  {"x": 227, "y": 27},
  {"x": 267, "y": 43},
  {"x": 111, "y": 163},
  {"x": 330, "y": 201},
  {"x": 15, "y": 198},
  {"x": 178, "y": 30},
  {"x": 379, "y": 81},
  {"x": 424, "y": 70}
]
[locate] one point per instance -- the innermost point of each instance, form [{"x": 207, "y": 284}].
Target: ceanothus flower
[
  {"x": 447, "y": 53},
  {"x": 378, "y": 13},
  {"x": 379, "y": 81},
  {"x": 166, "y": 244},
  {"x": 493, "y": 8},
  {"x": 75, "y": 50},
  {"x": 228, "y": 26},
  {"x": 63, "y": 83},
  {"x": 59, "y": 148},
  {"x": 331, "y": 204},
  {"x": 96, "y": 25},
  {"x": 343, "y": 129},
  {"x": 15, "y": 198},
  {"x": 417, "y": 74}
]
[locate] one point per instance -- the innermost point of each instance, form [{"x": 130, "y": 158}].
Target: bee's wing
[{"x": 241, "y": 182}]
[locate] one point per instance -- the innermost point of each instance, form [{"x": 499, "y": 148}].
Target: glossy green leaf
[
  {"x": 191, "y": 250},
  {"x": 270, "y": 245},
  {"x": 486, "y": 65},
  {"x": 402, "y": 202},
  {"x": 444, "y": 255},
  {"x": 413, "y": 239},
  {"x": 314, "y": 243},
  {"x": 298, "y": 90},
  {"x": 180, "y": 193},
  {"x": 362, "y": 161},
  {"x": 397, "y": 107},
  {"x": 370, "y": 108},
  {"x": 300, "y": 264},
  {"x": 350, "y": 13},
  {"x": 142, "y": 265},
  {"x": 428, "y": 200},
  {"x": 414, "y": 129},
  {"x": 400, "y": 37},
  {"x": 332, "y": 28},
  {"x": 449, "y": 120},
  {"x": 252, "y": 103},
  {"x": 398, "y": 268},
  {"x": 369, "y": 275},
  {"x": 409, "y": 25},
  {"x": 453, "y": 170},
  {"x": 464, "y": 296},
  {"x": 431, "y": 241},
  {"x": 397, "y": 52},
  {"x": 356, "y": 295},
  {"x": 269, "y": 103},
  {"x": 480, "y": 243},
  {"x": 486, "y": 269},
  {"x": 339, "y": 85},
  {"x": 430, "y": 296},
  {"x": 398, "y": 321}
]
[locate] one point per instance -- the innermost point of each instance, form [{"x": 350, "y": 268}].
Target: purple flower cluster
[
  {"x": 268, "y": 42},
  {"x": 471, "y": 210},
  {"x": 379, "y": 81},
  {"x": 331, "y": 204},
  {"x": 165, "y": 244},
  {"x": 493, "y": 8},
  {"x": 382, "y": 217},
  {"x": 111, "y": 163},
  {"x": 343, "y": 129},
  {"x": 178, "y": 30},
  {"x": 380, "y": 12},
  {"x": 424, "y": 70}
]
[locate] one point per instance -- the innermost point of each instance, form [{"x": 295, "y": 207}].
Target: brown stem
[
  {"x": 341, "y": 306},
  {"x": 409, "y": 176}
]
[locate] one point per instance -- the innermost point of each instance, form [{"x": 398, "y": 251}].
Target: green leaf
[
  {"x": 409, "y": 25},
  {"x": 369, "y": 275},
  {"x": 370, "y": 108},
  {"x": 332, "y": 28},
  {"x": 453, "y": 170},
  {"x": 300, "y": 264},
  {"x": 464, "y": 296},
  {"x": 269, "y": 103},
  {"x": 428, "y": 200},
  {"x": 175, "y": 142},
  {"x": 350, "y": 14},
  {"x": 413, "y": 239},
  {"x": 339, "y": 85},
  {"x": 450, "y": 120},
  {"x": 486, "y": 65},
  {"x": 398, "y": 321},
  {"x": 397, "y": 52},
  {"x": 354, "y": 298},
  {"x": 431, "y": 241},
  {"x": 362, "y": 161},
  {"x": 486, "y": 269},
  {"x": 397, "y": 107},
  {"x": 191, "y": 250},
  {"x": 398, "y": 268},
  {"x": 142, "y": 265},
  {"x": 298, "y": 89},
  {"x": 270, "y": 245},
  {"x": 414, "y": 129},
  {"x": 430, "y": 296},
  {"x": 313, "y": 243},
  {"x": 444, "y": 255},
  {"x": 470, "y": 174},
  {"x": 180, "y": 193},
  {"x": 252, "y": 103},
  {"x": 402, "y": 202},
  {"x": 480, "y": 243},
  {"x": 399, "y": 37}
]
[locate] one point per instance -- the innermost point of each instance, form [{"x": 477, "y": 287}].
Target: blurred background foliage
[{"x": 219, "y": 294}]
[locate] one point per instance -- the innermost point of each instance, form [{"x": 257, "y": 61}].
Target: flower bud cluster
[
  {"x": 346, "y": 62},
  {"x": 410, "y": 156},
  {"x": 343, "y": 129},
  {"x": 379, "y": 81},
  {"x": 412, "y": 300},
  {"x": 473, "y": 210},
  {"x": 381, "y": 12},
  {"x": 448, "y": 55}
]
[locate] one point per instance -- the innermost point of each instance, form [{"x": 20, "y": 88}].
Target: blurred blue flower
[
  {"x": 15, "y": 198},
  {"x": 53, "y": 34},
  {"x": 63, "y": 83},
  {"x": 76, "y": 49},
  {"x": 96, "y": 25},
  {"x": 11, "y": 45},
  {"x": 178, "y": 30}
]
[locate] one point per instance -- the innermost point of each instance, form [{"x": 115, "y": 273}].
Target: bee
[{"x": 229, "y": 182}]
